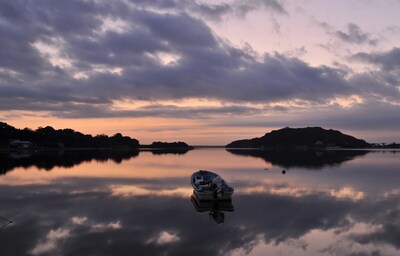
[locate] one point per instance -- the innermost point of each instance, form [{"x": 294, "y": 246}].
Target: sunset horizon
[
  {"x": 199, "y": 127},
  {"x": 205, "y": 72},
  {"x": 224, "y": 140}
]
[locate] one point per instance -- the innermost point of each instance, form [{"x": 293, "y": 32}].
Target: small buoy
[{"x": 283, "y": 171}]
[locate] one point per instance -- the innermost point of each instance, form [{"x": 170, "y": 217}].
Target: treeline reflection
[
  {"x": 50, "y": 159},
  {"x": 167, "y": 151},
  {"x": 309, "y": 159}
]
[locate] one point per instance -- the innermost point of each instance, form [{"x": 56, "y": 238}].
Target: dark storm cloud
[
  {"x": 17, "y": 53},
  {"x": 378, "y": 84},
  {"x": 355, "y": 35},
  {"x": 214, "y": 73},
  {"x": 179, "y": 31},
  {"x": 204, "y": 65},
  {"x": 388, "y": 61}
]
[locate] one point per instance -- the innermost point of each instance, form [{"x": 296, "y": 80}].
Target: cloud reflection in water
[{"x": 303, "y": 213}]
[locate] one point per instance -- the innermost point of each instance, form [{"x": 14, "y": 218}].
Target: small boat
[{"x": 210, "y": 186}]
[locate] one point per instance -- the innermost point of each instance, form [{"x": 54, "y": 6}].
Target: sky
[{"x": 204, "y": 72}]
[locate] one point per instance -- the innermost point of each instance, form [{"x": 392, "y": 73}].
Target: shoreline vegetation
[
  {"x": 49, "y": 139},
  {"x": 167, "y": 145}
]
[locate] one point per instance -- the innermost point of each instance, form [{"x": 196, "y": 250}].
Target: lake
[{"x": 139, "y": 203}]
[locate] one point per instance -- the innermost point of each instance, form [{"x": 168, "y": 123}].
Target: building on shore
[{"x": 21, "y": 144}]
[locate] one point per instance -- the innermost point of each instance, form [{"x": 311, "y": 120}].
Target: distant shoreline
[
  {"x": 308, "y": 138},
  {"x": 194, "y": 148}
]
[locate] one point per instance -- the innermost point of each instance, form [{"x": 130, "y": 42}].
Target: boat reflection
[
  {"x": 215, "y": 208},
  {"x": 4, "y": 222}
]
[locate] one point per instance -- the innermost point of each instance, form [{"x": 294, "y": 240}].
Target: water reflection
[
  {"x": 50, "y": 159},
  {"x": 166, "y": 151},
  {"x": 92, "y": 222},
  {"x": 353, "y": 210},
  {"x": 215, "y": 208},
  {"x": 309, "y": 159},
  {"x": 4, "y": 222}
]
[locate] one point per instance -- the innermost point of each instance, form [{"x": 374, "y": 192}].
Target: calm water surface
[{"x": 113, "y": 203}]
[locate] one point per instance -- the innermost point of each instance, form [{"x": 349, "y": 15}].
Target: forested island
[
  {"x": 167, "y": 145},
  {"x": 160, "y": 148},
  {"x": 48, "y": 137},
  {"x": 309, "y": 137}
]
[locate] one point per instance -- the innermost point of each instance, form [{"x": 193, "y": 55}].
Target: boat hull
[{"x": 201, "y": 182}]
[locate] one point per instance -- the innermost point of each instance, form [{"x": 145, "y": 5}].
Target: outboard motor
[
  {"x": 217, "y": 216},
  {"x": 218, "y": 183}
]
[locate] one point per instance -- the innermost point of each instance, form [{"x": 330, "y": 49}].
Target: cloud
[
  {"x": 78, "y": 220},
  {"x": 164, "y": 237},
  {"x": 101, "y": 227},
  {"x": 126, "y": 191},
  {"x": 75, "y": 59},
  {"x": 159, "y": 110},
  {"x": 53, "y": 238},
  {"x": 388, "y": 61},
  {"x": 347, "y": 193},
  {"x": 215, "y": 12},
  {"x": 242, "y": 8},
  {"x": 372, "y": 114},
  {"x": 175, "y": 227},
  {"x": 355, "y": 35}
]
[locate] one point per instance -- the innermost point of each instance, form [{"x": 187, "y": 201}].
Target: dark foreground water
[{"x": 131, "y": 203}]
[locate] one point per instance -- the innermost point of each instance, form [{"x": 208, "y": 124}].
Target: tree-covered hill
[
  {"x": 311, "y": 137},
  {"x": 170, "y": 145},
  {"x": 48, "y": 137}
]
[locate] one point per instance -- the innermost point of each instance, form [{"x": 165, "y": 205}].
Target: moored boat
[{"x": 210, "y": 186}]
